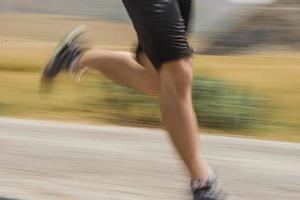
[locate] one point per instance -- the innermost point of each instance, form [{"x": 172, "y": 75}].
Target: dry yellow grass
[
  {"x": 280, "y": 85},
  {"x": 26, "y": 43},
  {"x": 42, "y": 27}
]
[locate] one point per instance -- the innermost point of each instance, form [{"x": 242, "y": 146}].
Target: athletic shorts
[{"x": 161, "y": 27}]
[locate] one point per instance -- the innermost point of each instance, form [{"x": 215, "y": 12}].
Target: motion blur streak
[{"x": 246, "y": 84}]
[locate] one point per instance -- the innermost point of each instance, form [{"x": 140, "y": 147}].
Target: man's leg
[
  {"x": 178, "y": 114},
  {"x": 73, "y": 55},
  {"x": 161, "y": 28},
  {"x": 123, "y": 68},
  {"x": 175, "y": 81}
]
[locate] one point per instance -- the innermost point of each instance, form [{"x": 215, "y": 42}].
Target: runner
[{"x": 161, "y": 66}]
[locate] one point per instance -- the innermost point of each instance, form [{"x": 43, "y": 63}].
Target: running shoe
[
  {"x": 207, "y": 190},
  {"x": 66, "y": 55}
]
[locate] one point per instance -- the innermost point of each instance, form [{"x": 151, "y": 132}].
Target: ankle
[
  {"x": 203, "y": 173},
  {"x": 201, "y": 182}
]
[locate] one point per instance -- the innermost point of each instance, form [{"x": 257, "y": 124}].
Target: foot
[
  {"x": 207, "y": 190},
  {"x": 66, "y": 55}
]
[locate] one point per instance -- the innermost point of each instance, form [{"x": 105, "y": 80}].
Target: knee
[{"x": 176, "y": 77}]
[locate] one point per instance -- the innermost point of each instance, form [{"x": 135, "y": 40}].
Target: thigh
[{"x": 161, "y": 28}]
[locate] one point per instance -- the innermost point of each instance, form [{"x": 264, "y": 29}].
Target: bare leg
[
  {"x": 123, "y": 68},
  {"x": 178, "y": 114},
  {"x": 173, "y": 83}
]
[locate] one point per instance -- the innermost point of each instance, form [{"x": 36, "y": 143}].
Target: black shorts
[{"x": 161, "y": 27}]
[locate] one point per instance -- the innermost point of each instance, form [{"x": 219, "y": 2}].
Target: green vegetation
[
  {"x": 128, "y": 106},
  {"x": 218, "y": 104},
  {"x": 221, "y": 105},
  {"x": 3, "y": 107}
]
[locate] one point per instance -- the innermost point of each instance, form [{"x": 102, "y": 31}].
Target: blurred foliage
[
  {"x": 262, "y": 28},
  {"x": 218, "y": 105},
  {"x": 126, "y": 105},
  {"x": 3, "y": 107}
]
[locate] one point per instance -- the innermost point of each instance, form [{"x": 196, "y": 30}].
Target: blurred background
[
  {"x": 246, "y": 84},
  {"x": 246, "y": 66}
]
